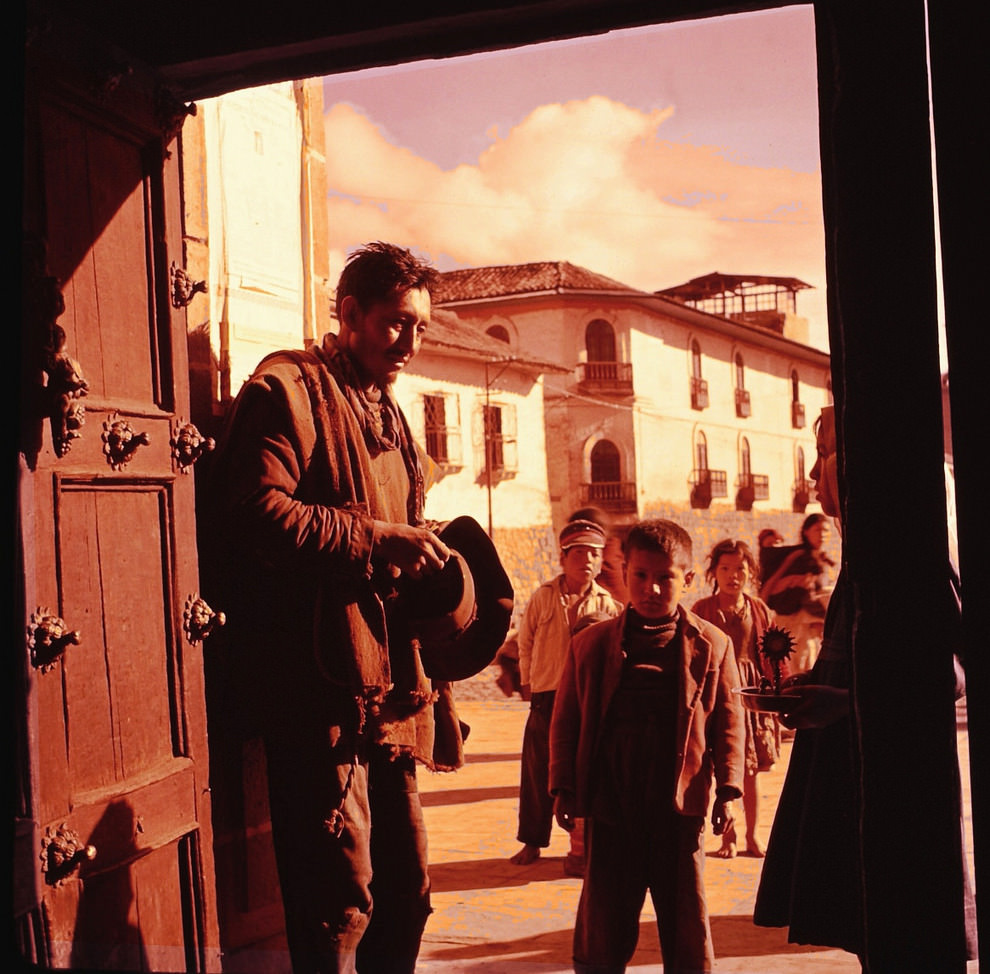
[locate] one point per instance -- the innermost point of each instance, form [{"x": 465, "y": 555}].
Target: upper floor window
[
  {"x": 496, "y": 437},
  {"x": 699, "y": 386},
  {"x": 797, "y": 407},
  {"x": 441, "y": 429},
  {"x": 743, "y": 408},
  {"x": 599, "y": 340},
  {"x": 500, "y": 332},
  {"x": 603, "y": 372}
]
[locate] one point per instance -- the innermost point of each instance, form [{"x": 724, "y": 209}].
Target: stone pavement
[{"x": 491, "y": 917}]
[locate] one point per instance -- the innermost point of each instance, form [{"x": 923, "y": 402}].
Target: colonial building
[
  {"x": 477, "y": 410},
  {"x": 697, "y": 402}
]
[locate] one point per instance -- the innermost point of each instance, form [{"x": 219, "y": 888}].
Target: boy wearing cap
[{"x": 544, "y": 636}]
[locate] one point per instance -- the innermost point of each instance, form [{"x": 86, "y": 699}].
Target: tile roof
[
  {"x": 488, "y": 282},
  {"x": 447, "y": 331}
]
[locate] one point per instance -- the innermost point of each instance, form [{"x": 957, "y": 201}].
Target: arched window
[
  {"x": 699, "y": 387},
  {"x": 745, "y": 468},
  {"x": 797, "y": 407},
  {"x": 599, "y": 340},
  {"x": 743, "y": 408},
  {"x": 802, "y": 492},
  {"x": 606, "y": 467},
  {"x": 695, "y": 360},
  {"x": 500, "y": 332},
  {"x": 700, "y": 451}
]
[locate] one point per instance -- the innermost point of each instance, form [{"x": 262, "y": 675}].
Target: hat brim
[{"x": 458, "y": 646}]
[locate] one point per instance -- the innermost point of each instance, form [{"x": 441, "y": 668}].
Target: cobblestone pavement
[{"x": 491, "y": 917}]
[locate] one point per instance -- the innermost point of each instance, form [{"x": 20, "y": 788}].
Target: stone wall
[{"x": 530, "y": 555}]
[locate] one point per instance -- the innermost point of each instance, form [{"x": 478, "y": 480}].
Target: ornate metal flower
[{"x": 776, "y": 644}]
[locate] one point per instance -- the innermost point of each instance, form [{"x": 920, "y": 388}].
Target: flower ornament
[{"x": 776, "y": 645}]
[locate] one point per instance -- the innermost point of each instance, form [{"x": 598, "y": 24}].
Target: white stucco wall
[
  {"x": 519, "y": 501},
  {"x": 655, "y": 430},
  {"x": 253, "y": 150}
]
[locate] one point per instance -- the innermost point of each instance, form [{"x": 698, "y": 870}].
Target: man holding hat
[
  {"x": 554, "y": 611},
  {"x": 316, "y": 513}
]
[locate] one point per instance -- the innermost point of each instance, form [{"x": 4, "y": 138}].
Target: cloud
[{"x": 591, "y": 182}]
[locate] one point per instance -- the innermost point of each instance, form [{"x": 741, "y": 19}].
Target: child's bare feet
[
  {"x": 526, "y": 855},
  {"x": 727, "y": 850},
  {"x": 755, "y": 848}
]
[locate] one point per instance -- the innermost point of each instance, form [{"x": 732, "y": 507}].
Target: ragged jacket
[
  {"x": 710, "y": 722},
  {"x": 294, "y": 495}
]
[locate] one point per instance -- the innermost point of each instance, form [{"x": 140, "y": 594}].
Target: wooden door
[{"x": 114, "y": 860}]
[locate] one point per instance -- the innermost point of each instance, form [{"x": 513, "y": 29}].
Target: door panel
[{"x": 116, "y": 777}]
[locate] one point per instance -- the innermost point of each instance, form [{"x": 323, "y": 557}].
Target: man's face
[
  {"x": 383, "y": 339},
  {"x": 581, "y": 563},
  {"x": 655, "y": 582}
]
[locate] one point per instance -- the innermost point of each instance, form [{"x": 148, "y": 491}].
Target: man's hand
[
  {"x": 414, "y": 551},
  {"x": 563, "y": 810},
  {"x": 722, "y": 816}
]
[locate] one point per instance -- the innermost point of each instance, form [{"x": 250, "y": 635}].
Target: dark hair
[
  {"x": 809, "y": 522},
  {"x": 730, "y": 547},
  {"x": 658, "y": 535},
  {"x": 378, "y": 270}
]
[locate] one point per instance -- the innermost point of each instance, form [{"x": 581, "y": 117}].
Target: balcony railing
[
  {"x": 797, "y": 415},
  {"x": 616, "y": 496},
  {"x": 716, "y": 481},
  {"x": 743, "y": 407},
  {"x": 613, "y": 378},
  {"x": 751, "y": 487},
  {"x": 804, "y": 494},
  {"x": 706, "y": 484},
  {"x": 699, "y": 393}
]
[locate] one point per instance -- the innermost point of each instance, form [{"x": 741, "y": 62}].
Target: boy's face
[
  {"x": 581, "y": 563},
  {"x": 656, "y": 582}
]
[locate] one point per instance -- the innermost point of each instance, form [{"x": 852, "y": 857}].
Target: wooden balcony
[
  {"x": 706, "y": 484},
  {"x": 804, "y": 494},
  {"x": 605, "y": 378},
  {"x": 616, "y": 497},
  {"x": 699, "y": 393},
  {"x": 743, "y": 406},
  {"x": 797, "y": 415},
  {"x": 751, "y": 487}
]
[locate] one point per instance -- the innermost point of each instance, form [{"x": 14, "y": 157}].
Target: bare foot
[
  {"x": 727, "y": 851},
  {"x": 755, "y": 849},
  {"x": 526, "y": 855}
]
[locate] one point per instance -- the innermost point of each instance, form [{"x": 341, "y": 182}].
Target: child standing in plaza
[
  {"x": 644, "y": 719},
  {"x": 551, "y": 615},
  {"x": 744, "y": 618}
]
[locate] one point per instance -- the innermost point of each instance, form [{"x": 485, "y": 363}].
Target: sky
[{"x": 651, "y": 155}]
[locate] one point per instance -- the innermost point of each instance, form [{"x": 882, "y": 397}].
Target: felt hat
[
  {"x": 461, "y": 614},
  {"x": 582, "y": 533}
]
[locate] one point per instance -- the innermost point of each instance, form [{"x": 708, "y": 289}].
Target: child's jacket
[{"x": 710, "y": 723}]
